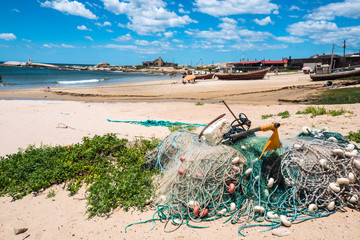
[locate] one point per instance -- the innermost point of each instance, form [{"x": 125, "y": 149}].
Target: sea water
[{"x": 26, "y": 77}]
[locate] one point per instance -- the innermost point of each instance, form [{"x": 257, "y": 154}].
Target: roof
[{"x": 264, "y": 62}]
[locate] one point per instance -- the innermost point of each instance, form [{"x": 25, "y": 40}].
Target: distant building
[
  {"x": 352, "y": 59},
  {"x": 245, "y": 66},
  {"x": 159, "y": 63}
]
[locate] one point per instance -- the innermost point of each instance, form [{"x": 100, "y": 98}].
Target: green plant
[
  {"x": 284, "y": 114},
  {"x": 51, "y": 193},
  {"x": 112, "y": 167},
  {"x": 316, "y": 111},
  {"x": 337, "y": 112},
  {"x": 266, "y": 116},
  {"x": 354, "y": 136},
  {"x": 199, "y": 104},
  {"x": 338, "y": 96}
]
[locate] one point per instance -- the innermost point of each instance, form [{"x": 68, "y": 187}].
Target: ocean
[{"x": 24, "y": 77}]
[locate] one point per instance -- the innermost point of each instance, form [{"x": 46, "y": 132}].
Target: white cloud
[
  {"x": 311, "y": 27},
  {"x": 73, "y": 8},
  {"x": 26, "y": 40},
  {"x": 257, "y": 46},
  {"x": 347, "y": 8},
  {"x": 147, "y": 17},
  {"x": 7, "y": 36},
  {"x": 168, "y": 34},
  {"x": 103, "y": 24},
  {"x": 180, "y": 5},
  {"x": 4, "y": 46},
  {"x": 233, "y": 7},
  {"x": 88, "y": 37},
  {"x": 290, "y": 39},
  {"x": 276, "y": 12},
  {"x": 322, "y": 32},
  {"x": 15, "y": 10},
  {"x": 138, "y": 49},
  {"x": 264, "y": 21},
  {"x": 51, "y": 45},
  {"x": 177, "y": 41},
  {"x": 123, "y": 38},
  {"x": 142, "y": 42},
  {"x": 109, "y": 30},
  {"x": 229, "y": 31},
  {"x": 83, "y": 28},
  {"x": 181, "y": 10},
  {"x": 293, "y": 7}
]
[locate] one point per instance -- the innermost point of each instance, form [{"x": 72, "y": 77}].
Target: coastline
[{"x": 263, "y": 91}]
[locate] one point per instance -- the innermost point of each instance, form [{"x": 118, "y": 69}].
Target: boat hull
[
  {"x": 333, "y": 76},
  {"x": 244, "y": 76},
  {"x": 206, "y": 76}
]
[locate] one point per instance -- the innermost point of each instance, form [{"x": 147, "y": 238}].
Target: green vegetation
[
  {"x": 199, "y": 104},
  {"x": 51, "y": 194},
  {"x": 354, "y": 136},
  {"x": 338, "y": 96},
  {"x": 284, "y": 114},
  {"x": 316, "y": 111},
  {"x": 266, "y": 116},
  {"x": 190, "y": 128},
  {"x": 288, "y": 70},
  {"x": 113, "y": 169}
]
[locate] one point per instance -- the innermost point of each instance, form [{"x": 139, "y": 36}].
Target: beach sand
[{"x": 54, "y": 122}]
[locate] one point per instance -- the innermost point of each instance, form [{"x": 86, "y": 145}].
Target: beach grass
[
  {"x": 112, "y": 168},
  {"x": 317, "y": 111},
  {"x": 338, "y": 96},
  {"x": 354, "y": 136}
]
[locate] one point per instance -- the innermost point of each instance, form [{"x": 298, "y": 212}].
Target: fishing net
[{"x": 311, "y": 176}]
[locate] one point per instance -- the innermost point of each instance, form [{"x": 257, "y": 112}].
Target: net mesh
[{"x": 304, "y": 179}]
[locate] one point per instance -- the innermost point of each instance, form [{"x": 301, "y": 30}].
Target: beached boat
[
  {"x": 204, "y": 76},
  {"x": 335, "y": 75},
  {"x": 259, "y": 74}
]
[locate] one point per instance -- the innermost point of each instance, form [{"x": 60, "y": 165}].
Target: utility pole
[
  {"x": 344, "y": 47},
  {"x": 332, "y": 58}
]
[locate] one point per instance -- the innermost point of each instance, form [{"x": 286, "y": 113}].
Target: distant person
[{"x": 276, "y": 71}]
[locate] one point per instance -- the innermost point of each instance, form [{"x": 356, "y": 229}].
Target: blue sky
[{"x": 186, "y": 32}]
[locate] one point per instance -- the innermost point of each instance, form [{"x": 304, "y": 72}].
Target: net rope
[{"x": 303, "y": 180}]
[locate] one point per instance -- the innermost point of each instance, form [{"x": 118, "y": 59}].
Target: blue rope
[{"x": 161, "y": 123}]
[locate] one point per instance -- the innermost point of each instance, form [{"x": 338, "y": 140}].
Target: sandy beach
[{"x": 64, "y": 116}]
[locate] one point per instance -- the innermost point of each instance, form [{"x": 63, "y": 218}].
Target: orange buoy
[
  {"x": 231, "y": 188},
  {"x": 198, "y": 175},
  {"x": 181, "y": 171},
  {"x": 236, "y": 169},
  {"x": 204, "y": 212},
  {"x": 182, "y": 159},
  {"x": 196, "y": 211}
]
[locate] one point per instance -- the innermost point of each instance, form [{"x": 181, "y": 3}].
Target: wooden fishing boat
[
  {"x": 335, "y": 75},
  {"x": 204, "y": 76},
  {"x": 259, "y": 74}
]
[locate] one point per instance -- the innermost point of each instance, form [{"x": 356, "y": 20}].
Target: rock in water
[{"x": 281, "y": 232}]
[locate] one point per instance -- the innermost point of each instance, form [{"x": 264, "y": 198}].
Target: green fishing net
[{"x": 311, "y": 176}]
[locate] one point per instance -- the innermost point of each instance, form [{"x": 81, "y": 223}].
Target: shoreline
[
  {"x": 265, "y": 91},
  {"x": 274, "y": 89}
]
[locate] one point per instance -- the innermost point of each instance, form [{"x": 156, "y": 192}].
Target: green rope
[{"x": 160, "y": 123}]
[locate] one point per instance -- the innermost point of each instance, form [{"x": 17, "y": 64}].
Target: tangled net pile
[{"x": 312, "y": 176}]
